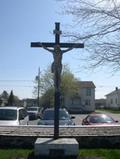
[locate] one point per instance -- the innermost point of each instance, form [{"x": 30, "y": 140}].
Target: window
[
  {"x": 87, "y": 102},
  {"x": 8, "y": 114},
  {"x": 88, "y": 91},
  {"x": 111, "y": 101},
  {"x": 76, "y": 101},
  {"x": 22, "y": 114},
  {"x": 116, "y": 100}
]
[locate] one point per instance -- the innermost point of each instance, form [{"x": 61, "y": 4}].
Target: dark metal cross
[{"x": 55, "y": 49}]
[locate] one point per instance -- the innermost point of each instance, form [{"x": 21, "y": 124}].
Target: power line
[
  {"x": 16, "y": 86},
  {"x": 4, "y": 80}
]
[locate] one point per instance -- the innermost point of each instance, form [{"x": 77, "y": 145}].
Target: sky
[{"x": 26, "y": 21}]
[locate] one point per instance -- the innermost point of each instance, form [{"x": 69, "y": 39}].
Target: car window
[
  {"x": 63, "y": 115},
  {"x": 25, "y": 112},
  {"x": 49, "y": 115},
  {"x": 8, "y": 114},
  {"x": 100, "y": 119},
  {"x": 22, "y": 114},
  {"x": 32, "y": 109}
]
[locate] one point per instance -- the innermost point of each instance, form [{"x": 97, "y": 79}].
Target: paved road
[
  {"x": 79, "y": 117},
  {"x": 33, "y": 122}
]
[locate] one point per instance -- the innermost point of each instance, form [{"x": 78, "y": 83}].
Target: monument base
[{"x": 62, "y": 147}]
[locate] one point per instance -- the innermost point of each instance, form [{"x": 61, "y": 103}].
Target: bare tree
[{"x": 97, "y": 24}]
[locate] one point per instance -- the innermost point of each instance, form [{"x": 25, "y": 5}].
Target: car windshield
[
  {"x": 32, "y": 109},
  {"x": 101, "y": 119},
  {"x": 49, "y": 115},
  {"x": 8, "y": 114}
]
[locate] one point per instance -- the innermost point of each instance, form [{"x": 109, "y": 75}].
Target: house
[
  {"x": 29, "y": 102},
  {"x": 84, "y": 100},
  {"x": 113, "y": 99}
]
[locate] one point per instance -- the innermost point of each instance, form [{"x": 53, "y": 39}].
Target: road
[{"x": 79, "y": 117}]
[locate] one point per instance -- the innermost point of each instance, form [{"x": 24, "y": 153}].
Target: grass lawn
[
  {"x": 84, "y": 153},
  {"x": 103, "y": 153},
  {"x": 15, "y": 153},
  {"x": 108, "y": 110}
]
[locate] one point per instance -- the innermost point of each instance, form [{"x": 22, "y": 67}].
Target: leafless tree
[{"x": 97, "y": 24}]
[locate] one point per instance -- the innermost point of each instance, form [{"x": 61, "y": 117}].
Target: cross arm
[
  {"x": 72, "y": 45},
  {"x": 39, "y": 44},
  {"x": 62, "y": 45},
  {"x": 43, "y": 45}
]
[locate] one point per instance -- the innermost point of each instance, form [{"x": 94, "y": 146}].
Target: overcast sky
[{"x": 26, "y": 21}]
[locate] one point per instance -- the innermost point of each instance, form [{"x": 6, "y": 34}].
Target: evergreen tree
[{"x": 11, "y": 99}]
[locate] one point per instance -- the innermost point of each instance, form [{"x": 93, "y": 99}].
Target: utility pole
[
  {"x": 57, "y": 67},
  {"x": 38, "y": 87}
]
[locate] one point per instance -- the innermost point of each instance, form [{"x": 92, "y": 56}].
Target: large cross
[{"x": 57, "y": 52}]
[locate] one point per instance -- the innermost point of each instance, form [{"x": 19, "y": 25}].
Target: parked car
[
  {"x": 98, "y": 119},
  {"x": 33, "y": 112},
  {"x": 48, "y": 117},
  {"x": 75, "y": 110},
  {"x": 13, "y": 116}
]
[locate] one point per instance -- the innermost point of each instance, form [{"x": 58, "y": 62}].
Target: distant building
[
  {"x": 113, "y": 99},
  {"x": 100, "y": 103},
  {"x": 84, "y": 100},
  {"x": 29, "y": 102}
]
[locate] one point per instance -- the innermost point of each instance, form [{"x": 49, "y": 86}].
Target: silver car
[
  {"x": 13, "y": 116},
  {"x": 48, "y": 117}
]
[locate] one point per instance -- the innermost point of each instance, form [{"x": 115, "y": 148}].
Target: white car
[
  {"x": 13, "y": 116},
  {"x": 33, "y": 112}
]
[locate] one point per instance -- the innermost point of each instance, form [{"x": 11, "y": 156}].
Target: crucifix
[{"x": 56, "y": 68}]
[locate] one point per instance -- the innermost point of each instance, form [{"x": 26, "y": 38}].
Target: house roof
[
  {"x": 86, "y": 84},
  {"x": 113, "y": 92}
]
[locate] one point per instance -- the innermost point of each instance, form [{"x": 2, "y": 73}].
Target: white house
[
  {"x": 84, "y": 100},
  {"x": 113, "y": 99}
]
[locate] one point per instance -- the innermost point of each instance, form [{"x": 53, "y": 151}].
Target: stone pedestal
[{"x": 61, "y": 147}]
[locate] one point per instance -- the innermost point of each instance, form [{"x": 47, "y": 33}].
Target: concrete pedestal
[{"x": 61, "y": 147}]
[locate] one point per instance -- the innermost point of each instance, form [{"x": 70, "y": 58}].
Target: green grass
[
  {"x": 24, "y": 153},
  {"x": 103, "y": 153},
  {"x": 108, "y": 110},
  {"x": 14, "y": 153}
]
